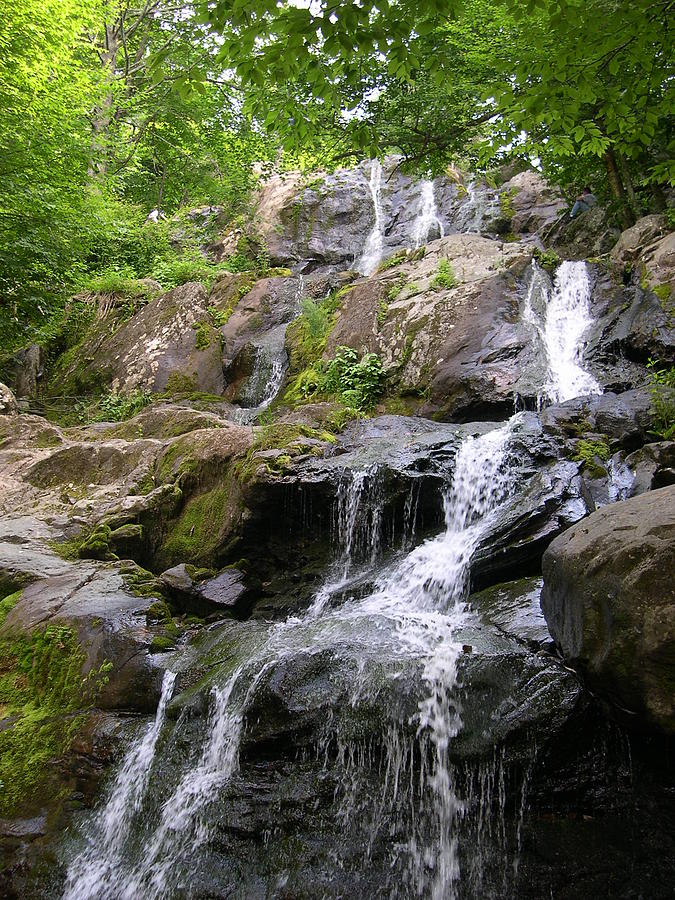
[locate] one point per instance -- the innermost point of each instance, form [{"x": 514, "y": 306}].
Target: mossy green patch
[
  {"x": 590, "y": 453},
  {"x": 202, "y": 335},
  {"x": 195, "y": 536},
  {"x": 445, "y": 277},
  {"x": 394, "y": 260},
  {"x": 43, "y": 699}
]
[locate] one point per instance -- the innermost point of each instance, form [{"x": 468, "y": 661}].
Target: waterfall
[
  {"x": 97, "y": 872},
  {"x": 427, "y": 221},
  {"x": 269, "y": 365},
  {"x": 480, "y": 203},
  {"x": 374, "y": 247},
  {"x": 560, "y": 320}
]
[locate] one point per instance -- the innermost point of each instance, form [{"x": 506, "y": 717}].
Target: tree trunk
[
  {"x": 617, "y": 189},
  {"x": 103, "y": 113},
  {"x": 628, "y": 184}
]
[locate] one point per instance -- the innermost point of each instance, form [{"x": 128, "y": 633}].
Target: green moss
[
  {"x": 662, "y": 291},
  {"x": 97, "y": 544},
  {"x": 48, "y": 439},
  {"x": 180, "y": 383},
  {"x": 296, "y": 439},
  {"x": 195, "y": 536},
  {"x": 590, "y": 454},
  {"x": 139, "y": 581},
  {"x": 506, "y": 206},
  {"x": 145, "y": 485},
  {"x": 43, "y": 701},
  {"x": 202, "y": 335},
  {"x": 8, "y": 603},
  {"x": 382, "y": 312},
  {"x": 161, "y": 643},
  {"x": 158, "y": 612}
]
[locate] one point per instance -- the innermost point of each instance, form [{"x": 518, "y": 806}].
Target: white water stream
[
  {"x": 427, "y": 221},
  {"x": 374, "y": 247},
  {"x": 560, "y": 318}
]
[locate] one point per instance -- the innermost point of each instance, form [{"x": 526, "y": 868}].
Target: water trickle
[
  {"x": 96, "y": 872},
  {"x": 269, "y": 366},
  {"x": 480, "y": 204},
  {"x": 427, "y": 224},
  {"x": 374, "y": 247},
  {"x": 560, "y": 318}
]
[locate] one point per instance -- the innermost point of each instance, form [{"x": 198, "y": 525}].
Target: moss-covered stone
[
  {"x": 196, "y": 534},
  {"x": 43, "y": 704}
]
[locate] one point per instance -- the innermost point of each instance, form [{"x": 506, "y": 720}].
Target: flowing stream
[
  {"x": 560, "y": 318},
  {"x": 407, "y": 627},
  {"x": 427, "y": 222},
  {"x": 374, "y": 247}
]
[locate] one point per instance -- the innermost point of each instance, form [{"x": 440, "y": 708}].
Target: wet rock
[
  {"x": 514, "y": 609},
  {"x": 659, "y": 262},
  {"x": 204, "y": 596},
  {"x": 609, "y": 602},
  {"x": 624, "y": 418},
  {"x": 653, "y": 466},
  {"x": 587, "y": 236},
  {"x": 8, "y": 404}
]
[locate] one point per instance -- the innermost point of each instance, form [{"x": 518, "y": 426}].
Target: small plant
[
  {"x": 202, "y": 335},
  {"x": 394, "y": 260},
  {"x": 662, "y": 391},
  {"x": 382, "y": 312},
  {"x": 191, "y": 265},
  {"x": 445, "y": 277},
  {"x": 357, "y": 382},
  {"x": 116, "y": 407},
  {"x": 548, "y": 259}
]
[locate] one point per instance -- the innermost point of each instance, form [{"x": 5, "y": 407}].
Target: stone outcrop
[
  {"x": 609, "y": 601},
  {"x": 456, "y": 340},
  {"x": 171, "y": 344},
  {"x": 8, "y": 404},
  {"x": 532, "y": 202}
]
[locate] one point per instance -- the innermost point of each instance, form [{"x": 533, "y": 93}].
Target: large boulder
[
  {"x": 8, "y": 404},
  {"x": 170, "y": 345},
  {"x": 609, "y": 601},
  {"x": 534, "y": 204},
  {"x": 633, "y": 240},
  {"x": 456, "y": 339}
]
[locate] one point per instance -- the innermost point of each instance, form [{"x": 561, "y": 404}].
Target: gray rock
[
  {"x": 8, "y": 404},
  {"x": 653, "y": 466},
  {"x": 633, "y": 241},
  {"x": 536, "y": 204},
  {"x": 609, "y": 601}
]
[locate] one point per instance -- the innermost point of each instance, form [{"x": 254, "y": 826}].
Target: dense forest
[{"x": 113, "y": 108}]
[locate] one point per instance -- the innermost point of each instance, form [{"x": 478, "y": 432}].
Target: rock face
[
  {"x": 322, "y": 224},
  {"x": 170, "y": 344},
  {"x": 456, "y": 340},
  {"x": 609, "y": 601},
  {"x": 535, "y": 203},
  {"x": 8, "y": 404}
]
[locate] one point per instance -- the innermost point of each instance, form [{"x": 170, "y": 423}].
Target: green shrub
[
  {"x": 356, "y": 382},
  {"x": 116, "y": 407},
  {"x": 445, "y": 277},
  {"x": 662, "y": 390},
  {"x": 190, "y": 265}
]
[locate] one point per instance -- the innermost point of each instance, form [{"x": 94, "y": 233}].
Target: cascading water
[
  {"x": 560, "y": 318},
  {"x": 269, "y": 367},
  {"x": 427, "y": 222},
  {"x": 95, "y": 872},
  {"x": 405, "y": 629},
  {"x": 480, "y": 204},
  {"x": 374, "y": 247}
]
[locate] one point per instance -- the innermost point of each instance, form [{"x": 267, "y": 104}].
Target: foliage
[
  {"x": 43, "y": 696},
  {"x": 445, "y": 277},
  {"x": 116, "y": 407},
  {"x": 588, "y": 452},
  {"x": 662, "y": 390},
  {"x": 357, "y": 382}
]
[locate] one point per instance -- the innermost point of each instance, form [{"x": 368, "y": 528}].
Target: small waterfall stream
[
  {"x": 374, "y": 247},
  {"x": 427, "y": 224},
  {"x": 560, "y": 317},
  {"x": 481, "y": 203}
]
